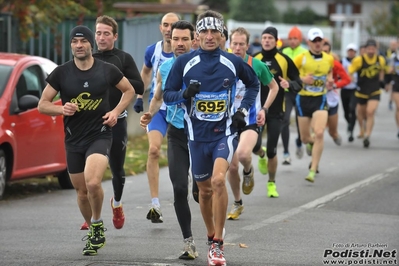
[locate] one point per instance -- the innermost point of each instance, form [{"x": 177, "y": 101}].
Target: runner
[
  {"x": 287, "y": 76},
  {"x": 155, "y": 55},
  {"x": 88, "y": 119},
  {"x": 315, "y": 68},
  {"x": 239, "y": 43},
  {"x": 203, "y": 82},
  {"x": 370, "y": 69},
  {"x": 182, "y": 38}
]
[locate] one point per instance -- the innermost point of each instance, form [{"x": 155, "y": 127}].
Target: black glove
[
  {"x": 138, "y": 106},
  {"x": 382, "y": 84},
  {"x": 191, "y": 90},
  {"x": 239, "y": 120}
]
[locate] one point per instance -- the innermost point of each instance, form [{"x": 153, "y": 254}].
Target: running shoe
[
  {"x": 286, "y": 159},
  {"x": 189, "y": 251},
  {"x": 236, "y": 211},
  {"x": 309, "y": 148},
  {"x": 350, "y": 138},
  {"x": 272, "y": 190},
  {"x": 262, "y": 163},
  {"x": 155, "y": 214},
  {"x": 310, "y": 177},
  {"x": 248, "y": 182},
  {"x": 88, "y": 250},
  {"x": 366, "y": 142},
  {"x": 338, "y": 140},
  {"x": 216, "y": 255},
  {"x": 95, "y": 239},
  {"x": 299, "y": 151},
  {"x": 118, "y": 217},
  {"x": 84, "y": 226}
]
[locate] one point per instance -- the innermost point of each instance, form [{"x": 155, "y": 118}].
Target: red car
[{"x": 31, "y": 144}]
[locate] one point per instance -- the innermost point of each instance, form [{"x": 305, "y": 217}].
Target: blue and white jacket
[{"x": 208, "y": 114}]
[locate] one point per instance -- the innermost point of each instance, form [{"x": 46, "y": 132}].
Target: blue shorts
[
  {"x": 158, "y": 122},
  {"x": 204, "y": 154}
]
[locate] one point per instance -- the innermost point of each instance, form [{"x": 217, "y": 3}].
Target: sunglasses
[{"x": 317, "y": 40}]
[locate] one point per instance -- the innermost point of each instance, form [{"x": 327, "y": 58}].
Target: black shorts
[
  {"x": 76, "y": 160},
  {"x": 307, "y": 105},
  {"x": 332, "y": 110},
  {"x": 253, "y": 127},
  {"x": 362, "y": 98}
]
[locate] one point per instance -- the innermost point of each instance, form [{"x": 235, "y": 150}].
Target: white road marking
[{"x": 320, "y": 201}]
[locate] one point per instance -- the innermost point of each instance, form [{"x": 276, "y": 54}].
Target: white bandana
[{"x": 209, "y": 23}]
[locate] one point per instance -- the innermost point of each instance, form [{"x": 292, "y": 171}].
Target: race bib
[
  {"x": 211, "y": 106},
  {"x": 318, "y": 85}
]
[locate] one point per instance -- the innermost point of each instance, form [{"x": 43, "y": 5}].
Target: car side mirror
[{"x": 27, "y": 102}]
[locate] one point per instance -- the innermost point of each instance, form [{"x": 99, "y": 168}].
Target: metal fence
[{"x": 135, "y": 34}]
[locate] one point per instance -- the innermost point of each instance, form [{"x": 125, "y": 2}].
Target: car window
[
  {"x": 30, "y": 82},
  {"x": 5, "y": 72}
]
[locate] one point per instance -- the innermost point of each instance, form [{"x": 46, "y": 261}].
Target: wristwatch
[
  {"x": 265, "y": 109},
  {"x": 243, "y": 110}
]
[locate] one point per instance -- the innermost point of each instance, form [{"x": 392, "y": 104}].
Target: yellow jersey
[{"x": 319, "y": 68}]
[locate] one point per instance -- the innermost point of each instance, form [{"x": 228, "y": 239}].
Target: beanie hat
[
  {"x": 371, "y": 42},
  {"x": 82, "y": 31},
  {"x": 272, "y": 31},
  {"x": 295, "y": 33}
]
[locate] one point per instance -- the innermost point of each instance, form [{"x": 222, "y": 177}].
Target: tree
[
  {"x": 221, "y": 6},
  {"x": 385, "y": 21},
  {"x": 35, "y": 16},
  {"x": 253, "y": 10},
  {"x": 290, "y": 16}
]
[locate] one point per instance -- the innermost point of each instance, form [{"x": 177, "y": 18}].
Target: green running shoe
[
  {"x": 272, "y": 190},
  {"x": 262, "y": 163}
]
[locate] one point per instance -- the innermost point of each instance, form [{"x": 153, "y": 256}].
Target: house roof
[{"x": 134, "y": 7}]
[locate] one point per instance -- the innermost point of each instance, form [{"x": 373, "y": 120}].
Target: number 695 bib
[{"x": 211, "y": 106}]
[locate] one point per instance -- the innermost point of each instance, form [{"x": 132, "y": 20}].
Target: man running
[
  {"x": 295, "y": 48},
  {"x": 287, "y": 76},
  {"x": 370, "y": 69},
  {"x": 204, "y": 82},
  {"x": 182, "y": 38},
  {"x": 341, "y": 78},
  {"x": 106, "y": 35},
  {"x": 315, "y": 69},
  {"x": 84, "y": 84},
  {"x": 239, "y": 43},
  {"x": 155, "y": 55},
  {"x": 348, "y": 98}
]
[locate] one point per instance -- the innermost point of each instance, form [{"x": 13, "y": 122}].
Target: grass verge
[{"x": 135, "y": 163}]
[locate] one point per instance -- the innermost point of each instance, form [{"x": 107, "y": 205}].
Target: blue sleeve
[
  {"x": 173, "y": 93},
  {"x": 249, "y": 78},
  {"x": 149, "y": 51}
]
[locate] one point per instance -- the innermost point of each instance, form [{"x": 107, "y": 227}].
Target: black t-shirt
[
  {"x": 90, "y": 91},
  {"x": 128, "y": 67}
]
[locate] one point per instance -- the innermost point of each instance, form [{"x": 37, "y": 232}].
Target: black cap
[
  {"x": 272, "y": 31},
  {"x": 371, "y": 42},
  {"x": 82, "y": 31}
]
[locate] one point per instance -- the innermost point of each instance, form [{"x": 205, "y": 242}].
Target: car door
[{"x": 37, "y": 136}]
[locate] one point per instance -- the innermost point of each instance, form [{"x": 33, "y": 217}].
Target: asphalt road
[{"x": 352, "y": 206}]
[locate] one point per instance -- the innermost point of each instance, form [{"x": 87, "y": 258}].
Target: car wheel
[
  {"x": 64, "y": 180},
  {"x": 3, "y": 173}
]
